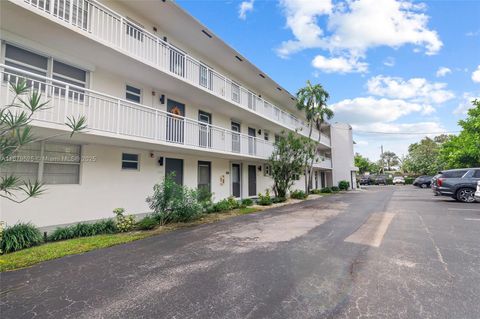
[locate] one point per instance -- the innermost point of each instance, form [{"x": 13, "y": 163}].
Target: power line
[{"x": 404, "y": 133}]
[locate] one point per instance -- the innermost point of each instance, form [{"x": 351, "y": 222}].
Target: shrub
[
  {"x": 264, "y": 200},
  {"x": 335, "y": 189},
  {"x": 61, "y": 233},
  {"x": 147, "y": 223},
  {"x": 171, "y": 202},
  {"x": 315, "y": 191},
  {"x": 326, "y": 190},
  {"x": 220, "y": 206},
  {"x": 204, "y": 197},
  {"x": 123, "y": 223},
  {"x": 343, "y": 185},
  {"x": 106, "y": 226},
  {"x": 277, "y": 200},
  {"x": 389, "y": 181},
  {"x": 20, "y": 236},
  {"x": 298, "y": 194},
  {"x": 409, "y": 180},
  {"x": 247, "y": 202},
  {"x": 233, "y": 203}
]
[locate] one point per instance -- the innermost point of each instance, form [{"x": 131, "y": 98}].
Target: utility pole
[{"x": 381, "y": 156}]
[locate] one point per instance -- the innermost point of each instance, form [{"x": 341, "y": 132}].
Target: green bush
[
  {"x": 106, "y": 226},
  {"x": 298, "y": 194},
  {"x": 147, "y": 223},
  {"x": 205, "y": 198},
  {"x": 326, "y": 190},
  {"x": 221, "y": 206},
  {"x": 315, "y": 191},
  {"x": 389, "y": 181},
  {"x": 276, "y": 200},
  {"x": 233, "y": 203},
  {"x": 247, "y": 202},
  {"x": 172, "y": 203},
  {"x": 343, "y": 185},
  {"x": 335, "y": 189},
  {"x": 20, "y": 236},
  {"x": 409, "y": 180},
  {"x": 123, "y": 223},
  {"x": 264, "y": 200}
]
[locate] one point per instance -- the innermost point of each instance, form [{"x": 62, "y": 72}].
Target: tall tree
[
  {"x": 389, "y": 159},
  {"x": 463, "y": 150},
  {"x": 312, "y": 100},
  {"x": 16, "y": 132},
  {"x": 364, "y": 164},
  {"x": 423, "y": 157}
]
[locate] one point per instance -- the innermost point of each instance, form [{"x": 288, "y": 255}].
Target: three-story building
[{"x": 160, "y": 92}]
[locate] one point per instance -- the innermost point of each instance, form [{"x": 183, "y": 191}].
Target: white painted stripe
[
  {"x": 475, "y": 219},
  {"x": 372, "y": 231},
  {"x": 469, "y": 209}
]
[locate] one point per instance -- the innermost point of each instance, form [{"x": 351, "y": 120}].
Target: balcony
[
  {"x": 125, "y": 119},
  {"x": 104, "y": 25},
  {"x": 326, "y": 163}
]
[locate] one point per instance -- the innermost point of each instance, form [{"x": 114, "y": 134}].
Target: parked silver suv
[{"x": 459, "y": 184}]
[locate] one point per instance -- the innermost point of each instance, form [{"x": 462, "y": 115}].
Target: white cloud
[
  {"x": 442, "y": 71},
  {"x": 301, "y": 18},
  {"x": 466, "y": 103},
  {"x": 353, "y": 27},
  {"x": 417, "y": 90},
  {"x": 363, "y": 110},
  {"x": 339, "y": 65},
  {"x": 390, "y": 61},
  {"x": 245, "y": 6},
  {"x": 476, "y": 75},
  {"x": 404, "y": 130}
]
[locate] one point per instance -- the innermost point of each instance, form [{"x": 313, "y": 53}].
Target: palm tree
[{"x": 312, "y": 99}]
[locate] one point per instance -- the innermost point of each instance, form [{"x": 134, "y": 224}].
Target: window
[
  {"x": 296, "y": 177},
  {"x": 133, "y": 94},
  {"x": 277, "y": 138},
  {"x": 129, "y": 161},
  {"x": 60, "y": 163},
  {"x": 454, "y": 174},
  {"x": 204, "y": 175},
  {"x": 266, "y": 136},
  {"x": 235, "y": 93},
  {"x": 39, "y": 64},
  {"x": 26, "y": 60},
  {"x": 267, "y": 170},
  {"x": 177, "y": 62},
  {"x": 69, "y": 74},
  {"x": 476, "y": 174}
]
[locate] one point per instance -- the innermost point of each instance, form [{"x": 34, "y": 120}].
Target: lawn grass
[{"x": 34, "y": 255}]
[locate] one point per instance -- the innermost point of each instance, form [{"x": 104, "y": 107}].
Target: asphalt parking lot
[{"x": 382, "y": 252}]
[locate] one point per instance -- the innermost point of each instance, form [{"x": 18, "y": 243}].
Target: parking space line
[
  {"x": 474, "y": 219},
  {"x": 469, "y": 209}
]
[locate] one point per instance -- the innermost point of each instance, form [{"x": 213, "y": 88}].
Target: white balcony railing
[
  {"x": 324, "y": 163},
  {"x": 113, "y": 29},
  {"x": 124, "y": 118}
]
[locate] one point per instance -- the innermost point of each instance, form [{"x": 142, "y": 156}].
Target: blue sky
[{"x": 390, "y": 66}]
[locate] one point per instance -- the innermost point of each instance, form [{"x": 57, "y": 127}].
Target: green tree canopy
[
  {"x": 423, "y": 157},
  {"x": 463, "y": 150}
]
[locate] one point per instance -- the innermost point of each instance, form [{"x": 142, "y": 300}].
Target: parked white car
[
  {"x": 477, "y": 193},
  {"x": 398, "y": 180}
]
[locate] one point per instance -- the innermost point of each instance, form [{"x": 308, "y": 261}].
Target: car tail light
[{"x": 440, "y": 182}]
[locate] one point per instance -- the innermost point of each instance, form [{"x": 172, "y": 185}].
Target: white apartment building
[{"x": 161, "y": 93}]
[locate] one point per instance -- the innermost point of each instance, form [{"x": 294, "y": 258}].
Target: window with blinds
[{"x": 48, "y": 163}]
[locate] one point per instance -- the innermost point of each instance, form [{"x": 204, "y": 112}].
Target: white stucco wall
[
  {"x": 105, "y": 186},
  {"x": 342, "y": 154}
]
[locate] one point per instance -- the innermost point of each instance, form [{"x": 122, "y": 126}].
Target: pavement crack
[{"x": 437, "y": 249}]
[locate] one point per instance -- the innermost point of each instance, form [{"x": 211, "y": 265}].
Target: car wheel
[
  {"x": 466, "y": 195},
  {"x": 424, "y": 185}
]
